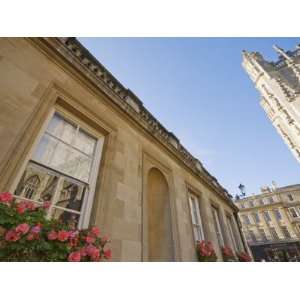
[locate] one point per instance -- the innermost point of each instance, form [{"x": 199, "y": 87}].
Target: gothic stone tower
[{"x": 279, "y": 86}]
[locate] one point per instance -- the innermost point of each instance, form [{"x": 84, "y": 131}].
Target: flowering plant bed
[
  {"x": 244, "y": 257},
  {"x": 205, "y": 251},
  {"x": 26, "y": 235},
  {"x": 228, "y": 254}
]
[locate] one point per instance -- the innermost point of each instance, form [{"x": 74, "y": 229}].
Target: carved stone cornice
[
  {"x": 85, "y": 63},
  {"x": 288, "y": 91}
]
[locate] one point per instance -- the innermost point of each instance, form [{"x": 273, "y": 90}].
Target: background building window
[
  {"x": 271, "y": 200},
  {"x": 267, "y": 216},
  {"x": 262, "y": 234},
  {"x": 256, "y": 217},
  {"x": 261, "y": 202},
  {"x": 62, "y": 170},
  {"x": 196, "y": 217},
  {"x": 285, "y": 232},
  {"x": 290, "y": 197},
  {"x": 245, "y": 219},
  {"x": 278, "y": 215},
  {"x": 274, "y": 233},
  {"x": 252, "y": 236},
  {"x": 251, "y": 203},
  {"x": 294, "y": 212}
]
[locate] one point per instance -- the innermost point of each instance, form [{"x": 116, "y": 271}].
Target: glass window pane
[
  {"x": 71, "y": 195},
  {"x": 61, "y": 157},
  {"x": 37, "y": 183},
  {"x": 69, "y": 218},
  {"x": 61, "y": 129},
  {"x": 85, "y": 143}
]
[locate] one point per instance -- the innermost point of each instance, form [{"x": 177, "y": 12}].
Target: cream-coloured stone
[
  {"x": 131, "y": 251},
  {"x": 260, "y": 204},
  {"x": 34, "y": 80},
  {"x": 279, "y": 86}
]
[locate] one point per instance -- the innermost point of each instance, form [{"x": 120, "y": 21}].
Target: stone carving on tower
[{"x": 279, "y": 86}]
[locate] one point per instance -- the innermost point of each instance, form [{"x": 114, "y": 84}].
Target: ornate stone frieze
[{"x": 288, "y": 91}]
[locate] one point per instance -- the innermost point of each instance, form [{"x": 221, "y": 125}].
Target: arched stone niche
[{"x": 159, "y": 233}]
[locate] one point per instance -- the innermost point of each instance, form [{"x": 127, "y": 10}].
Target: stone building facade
[
  {"x": 71, "y": 133},
  {"x": 271, "y": 222},
  {"x": 279, "y": 86}
]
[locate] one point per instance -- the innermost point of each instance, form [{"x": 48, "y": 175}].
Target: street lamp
[{"x": 242, "y": 189}]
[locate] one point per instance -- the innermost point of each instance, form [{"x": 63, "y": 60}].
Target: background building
[
  {"x": 72, "y": 134},
  {"x": 271, "y": 222},
  {"x": 279, "y": 86}
]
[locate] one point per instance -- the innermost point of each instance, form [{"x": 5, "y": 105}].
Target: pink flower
[
  {"x": 83, "y": 252},
  {"x": 46, "y": 204},
  {"x": 107, "y": 254},
  {"x": 90, "y": 240},
  {"x": 6, "y": 197},
  {"x": 95, "y": 255},
  {"x": 90, "y": 250},
  {"x": 63, "y": 235},
  {"x": 12, "y": 236},
  {"x": 22, "y": 228},
  {"x": 31, "y": 236},
  {"x": 21, "y": 207},
  {"x": 95, "y": 231},
  {"x": 36, "y": 229},
  {"x": 52, "y": 235},
  {"x": 73, "y": 234},
  {"x": 104, "y": 240},
  {"x": 30, "y": 205},
  {"x": 74, "y": 256}
]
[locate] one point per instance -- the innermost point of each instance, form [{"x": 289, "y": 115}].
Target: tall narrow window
[
  {"x": 263, "y": 235},
  {"x": 217, "y": 225},
  {"x": 252, "y": 235},
  {"x": 285, "y": 232},
  {"x": 290, "y": 197},
  {"x": 63, "y": 170},
  {"x": 267, "y": 216},
  {"x": 231, "y": 231},
  {"x": 255, "y": 217},
  {"x": 274, "y": 233},
  {"x": 245, "y": 219},
  {"x": 294, "y": 212},
  {"x": 196, "y": 217},
  {"x": 277, "y": 214}
]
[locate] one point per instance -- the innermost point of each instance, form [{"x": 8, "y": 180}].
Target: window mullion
[{"x": 55, "y": 196}]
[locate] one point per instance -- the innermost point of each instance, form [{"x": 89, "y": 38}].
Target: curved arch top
[{"x": 160, "y": 241}]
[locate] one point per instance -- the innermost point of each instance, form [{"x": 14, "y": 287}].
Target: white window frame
[
  {"x": 87, "y": 204},
  {"x": 295, "y": 210},
  {"x": 196, "y": 216},
  {"x": 218, "y": 227},
  {"x": 232, "y": 232}
]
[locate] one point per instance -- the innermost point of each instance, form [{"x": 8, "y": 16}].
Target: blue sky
[{"x": 198, "y": 89}]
